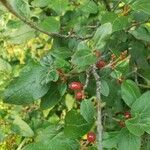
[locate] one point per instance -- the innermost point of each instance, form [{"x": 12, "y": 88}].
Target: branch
[
  {"x": 99, "y": 108},
  {"x": 34, "y": 26}
]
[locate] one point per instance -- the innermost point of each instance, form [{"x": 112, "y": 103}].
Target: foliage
[{"x": 45, "y": 45}]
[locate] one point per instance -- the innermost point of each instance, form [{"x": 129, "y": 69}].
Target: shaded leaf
[
  {"x": 104, "y": 88},
  {"x": 141, "y": 33},
  {"x": 21, "y": 7},
  {"x": 141, "y": 112},
  {"x": 40, "y": 3},
  {"x": 128, "y": 141},
  {"x": 102, "y": 33},
  {"x": 52, "y": 138},
  {"x": 143, "y": 5},
  {"x": 89, "y": 7},
  {"x": 59, "y": 6},
  {"x": 110, "y": 139},
  {"x": 129, "y": 92},
  {"x": 87, "y": 110},
  {"x": 21, "y": 127},
  {"x": 28, "y": 86},
  {"x": 50, "y": 24},
  {"x": 75, "y": 125},
  {"x": 22, "y": 34},
  {"x": 52, "y": 97},
  {"x": 83, "y": 57}
]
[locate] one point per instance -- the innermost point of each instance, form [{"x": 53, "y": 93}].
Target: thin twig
[
  {"x": 115, "y": 7},
  {"x": 21, "y": 144},
  {"x": 34, "y": 26},
  {"x": 87, "y": 78},
  {"x": 137, "y": 24},
  {"x": 144, "y": 86},
  {"x": 99, "y": 107}
]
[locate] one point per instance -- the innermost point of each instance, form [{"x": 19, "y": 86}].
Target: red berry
[
  {"x": 79, "y": 95},
  {"x": 76, "y": 86},
  {"x": 121, "y": 124},
  {"x": 100, "y": 64},
  {"x": 127, "y": 115},
  {"x": 91, "y": 137}
]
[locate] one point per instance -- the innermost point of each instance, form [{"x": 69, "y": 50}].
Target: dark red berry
[
  {"x": 121, "y": 124},
  {"x": 100, "y": 64},
  {"x": 76, "y": 86},
  {"x": 127, "y": 115},
  {"x": 79, "y": 95},
  {"x": 91, "y": 137}
]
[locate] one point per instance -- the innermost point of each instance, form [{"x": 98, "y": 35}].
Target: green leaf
[
  {"x": 5, "y": 66},
  {"x": 52, "y": 97},
  {"x": 75, "y": 125},
  {"x": 146, "y": 142},
  {"x": 141, "y": 61},
  {"x": 135, "y": 126},
  {"x": 59, "y": 6},
  {"x": 108, "y": 17},
  {"x": 61, "y": 63},
  {"x": 89, "y": 7},
  {"x": 120, "y": 23},
  {"x": 87, "y": 110},
  {"x": 21, "y": 7},
  {"x": 52, "y": 75},
  {"x": 69, "y": 101},
  {"x": 52, "y": 138},
  {"x": 110, "y": 139},
  {"x": 40, "y": 3},
  {"x": 141, "y": 105},
  {"x": 22, "y": 34},
  {"x": 141, "y": 112},
  {"x": 129, "y": 92},
  {"x": 143, "y": 5},
  {"x": 14, "y": 24},
  {"x": 104, "y": 88},
  {"x": 62, "y": 88},
  {"x": 141, "y": 33},
  {"x": 50, "y": 24},
  {"x": 28, "y": 86},
  {"x": 128, "y": 141},
  {"x": 21, "y": 127},
  {"x": 61, "y": 52},
  {"x": 102, "y": 33},
  {"x": 2, "y": 135},
  {"x": 83, "y": 57}
]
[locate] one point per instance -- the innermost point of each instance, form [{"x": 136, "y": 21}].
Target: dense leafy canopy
[{"x": 45, "y": 45}]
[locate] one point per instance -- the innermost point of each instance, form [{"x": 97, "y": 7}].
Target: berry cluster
[
  {"x": 127, "y": 115},
  {"x": 78, "y": 88},
  {"x": 79, "y": 95}
]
